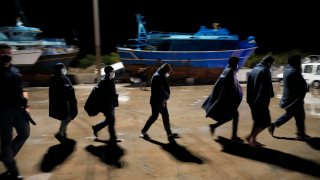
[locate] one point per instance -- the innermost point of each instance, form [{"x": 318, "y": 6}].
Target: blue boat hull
[{"x": 203, "y": 66}]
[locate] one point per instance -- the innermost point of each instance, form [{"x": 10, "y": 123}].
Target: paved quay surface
[{"x": 195, "y": 156}]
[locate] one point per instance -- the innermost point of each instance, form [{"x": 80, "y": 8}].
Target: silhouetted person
[
  {"x": 108, "y": 101},
  {"x": 259, "y": 93},
  {"x": 294, "y": 90},
  {"x": 160, "y": 93},
  {"x": 62, "y": 100},
  {"x": 13, "y": 102},
  {"x": 222, "y": 104}
]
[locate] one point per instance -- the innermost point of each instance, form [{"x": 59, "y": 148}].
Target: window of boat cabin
[{"x": 203, "y": 45}]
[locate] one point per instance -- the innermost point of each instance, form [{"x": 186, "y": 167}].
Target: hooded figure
[
  {"x": 62, "y": 100},
  {"x": 226, "y": 94},
  {"x": 222, "y": 104}
]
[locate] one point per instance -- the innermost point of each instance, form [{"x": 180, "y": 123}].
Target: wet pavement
[{"x": 196, "y": 155}]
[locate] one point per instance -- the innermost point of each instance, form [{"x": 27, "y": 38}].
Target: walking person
[
  {"x": 222, "y": 104},
  {"x": 259, "y": 93},
  {"x": 62, "y": 100},
  {"x": 160, "y": 93},
  {"x": 294, "y": 90},
  {"x": 108, "y": 100},
  {"x": 13, "y": 102}
]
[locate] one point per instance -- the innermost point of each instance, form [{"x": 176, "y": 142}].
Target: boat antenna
[
  {"x": 24, "y": 19},
  {"x": 142, "y": 33}
]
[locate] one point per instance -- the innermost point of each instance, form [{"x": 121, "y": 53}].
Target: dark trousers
[
  {"x": 156, "y": 109},
  {"x": 12, "y": 118},
  {"x": 108, "y": 121},
  {"x": 235, "y": 123},
  {"x": 298, "y": 114}
]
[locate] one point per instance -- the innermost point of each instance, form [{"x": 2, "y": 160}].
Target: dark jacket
[
  {"x": 107, "y": 93},
  {"x": 160, "y": 91},
  {"x": 259, "y": 86},
  {"x": 225, "y": 98},
  {"x": 62, "y": 99},
  {"x": 294, "y": 88},
  {"x": 11, "y": 89}
]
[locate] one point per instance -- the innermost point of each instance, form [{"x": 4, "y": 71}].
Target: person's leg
[
  {"x": 22, "y": 127},
  {"x": 110, "y": 118},
  {"x": 256, "y": 131},
  {"x": 280, "y": 121},
  {"x": 154, "y": 116},
  {"x": 63, "y": 127},
  {"x": 254, "y": 126},
  {"x": 235, "y": 123},
  {"x": 7, "y": 117},
  {"x": 165, "y": 119},
  {"x": 300, "y": 116},
  {"x": 283, "y": 119},
  {"x": 61, "y": 134},
  {"x": 257, "y": 125},
  {"x": 214, "y": 126},
  {"x": 96, "y": 128}
]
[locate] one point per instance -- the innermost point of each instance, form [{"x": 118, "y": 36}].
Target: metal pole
[{"x": 97, "y": 37}]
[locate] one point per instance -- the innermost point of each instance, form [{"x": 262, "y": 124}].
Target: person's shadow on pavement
[
  {"x": 110, "y": 153},
  {"x": 56, "y": 155},
  {"x": 179, "y": 152},
  {"x": 270, "y": 156},
  {"x": 313, "y": 142}
]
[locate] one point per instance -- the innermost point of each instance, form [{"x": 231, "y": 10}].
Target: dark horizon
[{"x": 277, "y": 27}]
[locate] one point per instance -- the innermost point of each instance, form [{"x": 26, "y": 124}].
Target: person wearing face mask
[
  {"x": 294, "y": 90},
  {"x": 13, "y": 102},
  {"x": 108, "y": 100},
  {"x": 160, "y": 93},
  {"x": 222, "y": 104},
  {"x": 62, "y": 100}
]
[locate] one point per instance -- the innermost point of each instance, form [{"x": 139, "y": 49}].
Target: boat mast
[
  {"x": 142, "y": 33},
  {"x": 24, "y": 19}
]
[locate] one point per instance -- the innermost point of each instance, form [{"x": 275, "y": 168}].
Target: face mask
[
  {"x": 64, "y": 71},
  {"x": 167, "y": 74},
  {"x": 112, "y": 75}
]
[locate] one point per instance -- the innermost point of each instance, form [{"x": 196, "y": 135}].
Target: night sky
[{"x": 277, "y": 26}]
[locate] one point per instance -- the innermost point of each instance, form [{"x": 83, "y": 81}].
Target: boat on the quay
[
  {"x": 195, "y": 57},
  {"x": 33, "y": 54}
]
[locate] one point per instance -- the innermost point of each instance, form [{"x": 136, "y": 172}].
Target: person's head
[
  {"x": 233, "y": 62},
  {"x": 109, "y": 72},
  {"x": 166, "y": 69},
  {"x": 295, "y": 61},
  {"x": 268, "y": 60},
  {"x": 5, "y": 55},
  {"x": 60, "y": 68}
]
